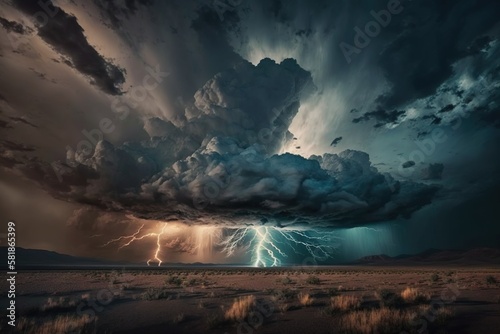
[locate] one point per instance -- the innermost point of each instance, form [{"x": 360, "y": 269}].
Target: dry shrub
[
  {"x": 58, "y": 324},
  {"x": 382, "y": 320},
  {"x": 414, "y": 296},
  {"x": 305, "y": 299},
  {"x": 345, "y": 303},
  {"x": 241, "y": 308}
]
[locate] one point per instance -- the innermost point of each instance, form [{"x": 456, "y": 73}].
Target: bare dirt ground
[{"x": 325, "y": 300}]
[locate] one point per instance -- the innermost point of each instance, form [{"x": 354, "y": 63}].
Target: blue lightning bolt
[{"x": 267, "y": 243}]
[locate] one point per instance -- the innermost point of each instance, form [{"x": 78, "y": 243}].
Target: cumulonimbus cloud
[{"x": 223, "y": 164}]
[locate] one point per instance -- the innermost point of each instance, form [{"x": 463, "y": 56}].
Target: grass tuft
[
  {"x": 241, "y": 308},
  {"x": 414, "y": 296},
  {"x": 382, "y": 320},
  {"x": 58, "y": 324},
  {"x": 305, "y": 299},
  {"x": 345, "y": 303}
]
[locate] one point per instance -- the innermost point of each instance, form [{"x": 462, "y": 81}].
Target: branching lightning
[
  {"x": 134, "y": 237},
  {"x": 267, "y": 244}
]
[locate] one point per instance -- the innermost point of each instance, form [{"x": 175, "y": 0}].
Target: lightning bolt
[
  {"x": 268, "y": 243},
  {"x": 135, "y": 237},
  {"x": 158, "y": 246},
  {"x": 233, "y": 240}
]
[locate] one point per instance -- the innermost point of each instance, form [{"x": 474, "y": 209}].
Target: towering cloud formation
[{"x": 223, "y": 164}]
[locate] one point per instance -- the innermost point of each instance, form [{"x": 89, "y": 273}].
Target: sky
[{"x": 262, "y": 133}]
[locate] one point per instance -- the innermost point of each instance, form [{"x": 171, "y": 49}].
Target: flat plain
[{"x": 344, "y": 299}]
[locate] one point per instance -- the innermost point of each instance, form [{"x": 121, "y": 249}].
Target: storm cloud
[
  {"x": 62, "y": 31},
  {"x": 223, "y": 165},
  {"x": 260, "y": 121}
]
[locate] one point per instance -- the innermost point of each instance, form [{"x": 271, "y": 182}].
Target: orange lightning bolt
[{"x": 134, "y": 237}]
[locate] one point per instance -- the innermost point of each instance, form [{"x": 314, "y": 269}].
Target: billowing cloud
[
  {"x": 222, "y": 142},
  {"x": 223, "y": 165}
]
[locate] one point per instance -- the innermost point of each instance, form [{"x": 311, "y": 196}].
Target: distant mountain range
[
  {"x": 37, "y": 258},
  {"x": 476, "y": 256}
]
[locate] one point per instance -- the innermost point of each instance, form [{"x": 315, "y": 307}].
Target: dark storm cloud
[
  {"x": 431, "y": 39},
  {"x": 430, "y": 57},
  {"x": 189, "y": 38},
  {"x": 336, "y": 141},
  {"x": 62, "y": 31},
  {"x": 222, "y": 165},
  {"x": 117, "y": 11},
  {"x": 5, "y": 125},
  {"x": 408, "y": 164},
  {"x": 435, "y": 119},
  {"x": 13, "y": 26},
  {"x": 432, "y": 171},
  {"x": 9, "y": 145},
  {"x": 447, "y": 108},
  {"x": 212, "y": 34},
  {"x": 22, "y": 120},
  {"x": 382, "y": 117}
]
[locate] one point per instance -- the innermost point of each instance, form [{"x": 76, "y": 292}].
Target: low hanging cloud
[{"x": 223, "y": 166}]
